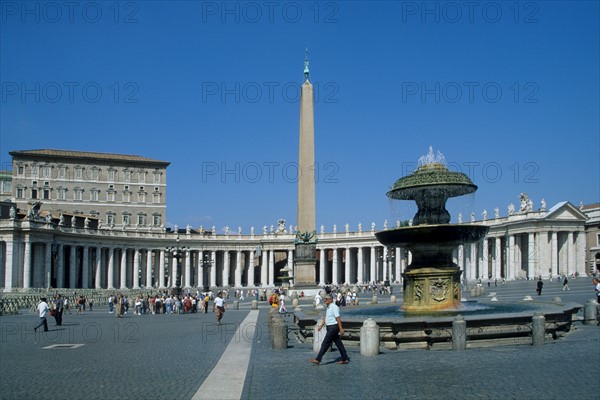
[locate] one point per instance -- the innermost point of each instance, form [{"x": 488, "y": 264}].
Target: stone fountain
[{"x": 432, "y": 280}]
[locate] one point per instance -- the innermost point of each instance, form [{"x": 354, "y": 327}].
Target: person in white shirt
[
  {"x": 43, "y": 310},
  {"x": 219, "y": 307},
  {"x": 334, "y": 332}
]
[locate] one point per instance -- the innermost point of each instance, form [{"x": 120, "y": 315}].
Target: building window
[
  {"x": 46, "y": 171},
  {"x": 20, "y": 170},
  {"x": 62, "y": 194},
  {"x": 6, "y": 186},
  {"x": 35, "y": 171},
  {"x": 141, "y": 197},
  {"x": 126, "y": 219},
  {"x": 111, "y": 175},
  {"x": 46, "y": 194},
  {"x": 79, "y": 173},
  {"x": 127, "y": 176},
  {"x": 34, "y": 193},
  {"x": 20, "y": 193},
  {"x": 62, "y": 172},
  {"x": 110, "y": 196},
  {"x": 156, "y": 198},
  {"x": 94, "y": 194},
  {"x": 142, "y": 177},
  {"x": 95, "y": 174},
  {"x": 110, "y": 219},
  {"x": 156, "y": 220},
  {"x": 156, "y": 177},
  {"x": 78, "y": 194},
  {"x": 126, "y": 197},
  {"x": 141, "y": 220}
]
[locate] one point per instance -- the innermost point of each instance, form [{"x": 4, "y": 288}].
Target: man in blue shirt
[{"x": 334, "y": 331}]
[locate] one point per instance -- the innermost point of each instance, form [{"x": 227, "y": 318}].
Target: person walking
[
  {"x": 43, "y": 310},
  {"x": 58, "y": 310},
  {"x": 335, "y": 329},
  {"x": 540, "y": 285},
  {"x": 566, "y": 284},
  {"x": 219, "y": 307},
  {"x": 282, "y": 308},
  {"x": 596, "y": 283}
]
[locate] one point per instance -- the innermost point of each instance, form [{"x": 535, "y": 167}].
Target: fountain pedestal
[{"x": 430, "y": 289}]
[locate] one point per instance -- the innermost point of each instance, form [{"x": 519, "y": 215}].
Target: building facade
[
  {"x": 38, "y": 252},
  {"x": 123, "y": 191},
  {"x": 592, "y": 228}
]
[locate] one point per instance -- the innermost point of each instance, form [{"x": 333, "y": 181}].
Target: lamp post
[
  {"x": 206, "y": 263},
  {"x": 176, "y": 255}
]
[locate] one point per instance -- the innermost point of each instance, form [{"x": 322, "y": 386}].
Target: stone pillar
[
  {"x": 459, "y": 333},
  {"x": 8, "y": 269},
  {"x": 554, "y": 252},
  {"x": 359, "y": 268},
  {"x": 532, "y": 256},
  {"x": 486, "y": 258},
  {"x": 110, "y": 278},
  {"x": 188, "y": 268},
  {"x": 318, "y": 336},
  {"x": 398, "y": 264},
  {"x": 226, "y": 268},
  {"x": 322, "y": 263},
  {"x": 581, "y": 264},
  {"x": 264, "y": 268},
  {"x": 473, "y": 261},
  {"x": 545, "y": 252},
  {"x": 571, "y": 268},
  {"x": 590, "y": 312},
  {"x": 200, "y": 269},
  {"x": 251, "y": 269},
  {"x": 238, "y": 269},
  {"x": 271, "y": 267},
  {"x": 384, "y": 263},
  {"x": 85, "y": 268},
  {"x": 213, "y": 269},
  {"x": 335, "y": 268},
  {"x": 538, "y": 328},
  {"x": 136, "y": 269},
  {"x": 373, "y": 266},
  {"x": 150, "y": 263},
  {"x": 123, "y": 271},
  {"x": 98, "y": 271},
  {"x": 348, "y": 267},
  {"x": 174, "y": 271},
  {"x": 27, "y": 264},
  {"x": 498, "y": 258},
  {"x": 73, "y": 268},
  {"x": 161, "y": 270},
  {"x": 369, "y": 338},
  {"x": 511, "y": 257},
  {"x": 48, "y": 265}
]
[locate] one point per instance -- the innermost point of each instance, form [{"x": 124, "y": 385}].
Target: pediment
[{"x": 565, "y": 211}]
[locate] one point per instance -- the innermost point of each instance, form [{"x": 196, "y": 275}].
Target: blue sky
[{"x": 507, "y": 91}]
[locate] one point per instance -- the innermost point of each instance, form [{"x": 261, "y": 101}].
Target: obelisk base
[{"x": 304, "y": 265}]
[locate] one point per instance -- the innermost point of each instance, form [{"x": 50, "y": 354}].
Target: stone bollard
[
  {"x": 318, "y": 337},
  {"x": 392, "y": 299},
  {"x": 357, "y": 301},
  {"x": 459, "y": 333},
  {"x": 369, "y": 338},
  {"x": 279, "y": 334},
  {"x": 538, "y": 328},
  {"x": 236, "y": 305},
  {"x": 295, "y": 302},
  {"x": 254, "y": 305},
  {"x": 590, "y": 312},
  {"x": 294, "y": 295},
  {"x": 374, "y": 300},
  {"x": 473, "y": 292}
]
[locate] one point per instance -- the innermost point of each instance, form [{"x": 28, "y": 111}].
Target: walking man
[
  {"x": 335, "y": 329},
  {"x": 219, "y": 307},
  {"x": 43, "y": 310}
]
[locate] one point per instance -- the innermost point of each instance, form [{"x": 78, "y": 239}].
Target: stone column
[
  {"x": 73, "y": 268},
  {"x": 290, "y": 261},
  {"x": 226, "y": 267},
  {"x": 334, "y": 268},
  {"x": 384, "y": 263},
  {"x": 27, "y": 264},
  {"x": 48, "y": 265},
  {"x": 213, "y": 268},
  {"x": 581, "y": 265},
  {"x": 251, "y": 269},
  {"x": 498, "y": 258},
  {"x": 554, "y": 251},
  {"x": 486, "y": 258},
  {"x": 531, "y": 255},
  {"x": 398, "y": 266},
  {"x": 359, "y": 271},
  {"x": 200, "y": 269},
  {"x": 373, "y": 266},
  {"x": 188, "y": 268},
  {"x": 85, "y": 268},
  {"x": 322, "y": 261},
  {"x": 460, "y": 260},
  {"x": 238, "y": 269},
  {"x": 136, "y": 269},
  {"x": 8, "y": 269},
  {"x": 571, "y": 254},
  {"x": 150, "y": 263},
  {"x": 98, "y": 277},
  {"x": 110, "y": 278},
  {"x": 271, "y": 267},
  {"x": 264, "y": 268},
  {"x": 123, "y": 274},
  {"x": 174, "y": 271},
  {"x": 473, "y": 260},
  {"x": 161, "y": 270},
  {"x": 348, "y": 267},
  {"x": 511, "y": 257}
]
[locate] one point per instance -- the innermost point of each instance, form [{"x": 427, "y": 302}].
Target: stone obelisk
[{"x": 305, "y": 258}]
